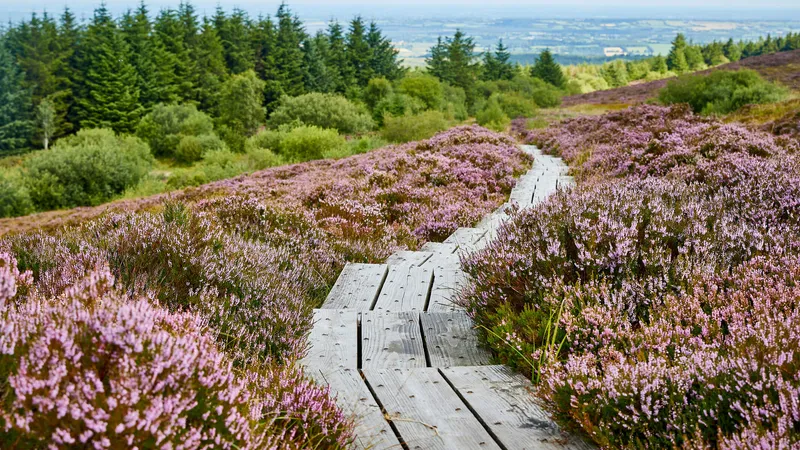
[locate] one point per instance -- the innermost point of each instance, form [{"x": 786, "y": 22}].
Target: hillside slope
[{"x": 781, "y": 67}]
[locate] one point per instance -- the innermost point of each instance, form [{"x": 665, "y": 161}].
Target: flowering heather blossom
[
  {"x": 657, "y": 302},
  {"x": 177, "y": 323}
]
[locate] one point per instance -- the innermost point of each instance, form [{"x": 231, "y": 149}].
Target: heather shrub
[
  {"x": 328, "y": 111},
  {"x": 412, "y": 127},
  {"x": 166, "y": 126},
  {"x": 655, "y": 301},
  {"x": 86, "y": 169},
  {"x": 95, "y": 367},
  {"x": 721, "y": 92}
]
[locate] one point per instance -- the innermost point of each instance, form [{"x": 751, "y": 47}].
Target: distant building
[{"x": 614, "y": 51}]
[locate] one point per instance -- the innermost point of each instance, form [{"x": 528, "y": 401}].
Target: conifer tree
[
  {"x": 336, "y": 58},
  {"x": 315, "y": 76},
  {"x": 212, "y": 71},
  {"x": 155, "y": 67},
  {"x": 659, "y": 64},
  {"x": 263, "y": 43},
  {"x": 69, "y": 77},
  {"x": 15, "y": 106},
  {"x": 189, "y": 25},
  {"x": 732, "y": 51},
  {"x": 462, "y": 69},
  {"x": 359, "y": 54},
  {"x": 547, "y": 69},
  {"x": 676, "y": 59},
  {"x": 289, "y": 52},
  {"x": 694, "y": 58},
  {"x": 111, "y": 97},
  {"x": 437, "y": 61},
  {"x": 234, "y": 33},
  {"x": 383, "y": 59},
  {"x": 169, "y": 33},
  {"x": 496, "y": 66}
]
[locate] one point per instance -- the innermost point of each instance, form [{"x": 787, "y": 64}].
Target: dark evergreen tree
[
  {"x": 110, "y": 93},
  {"x": 263, "y": 35},
  {"x": 155, "y": 66},
  {"x": 676, "y": 59},
  {"x": 732, "y": 51},
  {"x": 16, "y": 106},
  {"x": 234, "y": 33},
  {"x": 315, "y": 77},
  {"x": 70, "y": 78},
  {"x": 189, "y": 25},
  {"x": 212, "y": 71},
  {"x": 547, "y": 69},
  {"x": 359, "y": 54},
  {"x": 383, "y": 59},
  {"x": 496, "y": 66},
  {"x": 169, "y": 32},
  {"x": 437, "y": 61},
  {"x": 289, "y": 53},
  {"x": 462, "y": 69},
  {"x": 336, "y": 58}
]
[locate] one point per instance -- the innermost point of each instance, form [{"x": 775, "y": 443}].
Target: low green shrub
[
  {"x": 165, "y": 126},
  {"x": 192, "y": 148},
  {"x": 397, "y": 105},
  {"x": 377, "y": 89},
  {"x": 309, "y": 142},
  {"x": 14, "y": 197},
  {"x": 323, "y": 111},
  {"x": 721, "y": 92},
  {"x": 423, "y": 87},
  {"x": 516, "y": 105},
  {"x": 414, "y": 127},
  {"x": 86, "y": 169},
  {"x": 492, "y": 116}
]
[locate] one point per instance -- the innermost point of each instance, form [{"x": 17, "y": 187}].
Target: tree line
[
  {"x": 685, "y": 56},
  {"x": 58, "y": 76}
]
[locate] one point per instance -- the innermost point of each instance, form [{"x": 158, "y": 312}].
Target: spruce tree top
[{"x": 547, "y": 69}]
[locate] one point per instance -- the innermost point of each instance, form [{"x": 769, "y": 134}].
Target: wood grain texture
[
  {"x": 406, "y": 289},
  {"x": 333, "y": 341},
  {"x": 439, "y": 248},
  {"x": 447, "y": 284},
  {"x": 356, "y": 401},
  {"x": 465, "y": 236},
  {"x": 505, "y": 402},
  {"x": 426, "y": 412},
  {"x": 408, "y": 258},
  {"x": 357, "y": 287},
  {"x": 391, "y": 340},
  {"x": 451, "y": 340}
]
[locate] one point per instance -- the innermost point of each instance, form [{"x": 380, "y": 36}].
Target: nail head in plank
[
  {"x": 405, "y": 289},
  {"x": 391, "y": 340},
  {"x": 505, "y": 402},
  {"x": 451, "y": 340},
  {"x": 447, "y": 285},
  {"x": 426, "y": 411},
  {"x": 356, "y": 401},
  {"x": 333, "y": 341},
  {"x": 357, "y": 287}
]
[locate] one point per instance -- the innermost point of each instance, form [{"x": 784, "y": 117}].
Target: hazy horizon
[{"x": 316, "y": 9}]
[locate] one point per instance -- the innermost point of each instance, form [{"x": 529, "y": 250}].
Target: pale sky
[{"x": 687, "y": 9}]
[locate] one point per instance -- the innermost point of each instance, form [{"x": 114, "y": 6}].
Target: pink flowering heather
[
  {"x": 657, "y": 302},
  {"x": 210, "y": 293}
]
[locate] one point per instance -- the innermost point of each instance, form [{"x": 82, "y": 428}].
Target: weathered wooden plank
[
  {"x": 504, "y": 401},
  {"x": 439, "y": 248},
  {"x": 353, "y": 396},
  {"x": 447, "y": 284},
  {"x": 357, "y": 287},
  {"x": 426, "y": 412},
  {"x": 333, "y": 341},
  {"x": 406, "y": 289},
  {"x": 451, "y": 340},
  {"x": 465, "y": 236},
  {"x": 391, "y": 340},
  {"x": 408, "y": 258}
]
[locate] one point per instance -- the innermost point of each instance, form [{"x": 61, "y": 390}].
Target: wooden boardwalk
[{"x": 404, "y": 360}]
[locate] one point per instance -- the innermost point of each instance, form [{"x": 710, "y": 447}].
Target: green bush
[
  {"x": 14, "y": 197},
  {"x": 455, "y": 102},
  {"x": 86, "y": 169},
  {"x": 192, "y": 148},
  {"x": 414, "y": 127},
  {"x": 165, "y": 126},
  {"x": 259, "y": 158},
  {"x": 324, "y": 111},
  {"x": 377, "y": 89},
  {"x": 516, "y": 105},
  {"x": 309, "y": 142},
  {"x": 721, "y": 92},
  {"x": 397, "y": 105},
  {"x": 240, "y": 108},
  {"x": 492, "y": 116},
  {"x": 423, "y": 87}
]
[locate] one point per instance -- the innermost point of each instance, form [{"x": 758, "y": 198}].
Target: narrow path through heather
[{"x": 404, "y": 360}]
